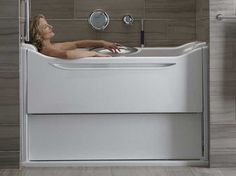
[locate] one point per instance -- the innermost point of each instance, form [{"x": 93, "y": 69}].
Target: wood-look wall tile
[
  {"x": 7, "y": 100},
  {"x": 168, "y": 9},
  {"x": 115, "y": 9},
  {"x": 53, "y": 9},
  {"x": 9, "y": 49},
  {"x": 166, "y": 43},
  {"x": 155, "y": 30},
  {"x": 9, "y": 137},
  {"x": 224, "y": 49},
  {"x": 222, "y": 159},
  {"x": 222, "y": 88},
  {"x": 202, "y": 29},
  {"x": 182, "y": 30},
  {"x": 178, "y": 34},
  {"x": 223, "y": 132},
  {"x": 223, "y": 145},
  {"x": 9, "y": 96},
  {"x": 9, "y": 159},
  {"x": 9, "y": 59},
  {"x": 222, "y": 110},
  {"x": 9, "y": 9},
  {"x": 9, "y": 63},
  {"x": 222, "y": 55},
  {"x": 10, "y": 99},
  {"x": 69, "y": 30},
  {"x": 202, "y": 20},
  {"x": 225, "y": 7},
  {"x": 222, "y": 75},
  {"x": 221, "y": 63},
  {"x": 221, "y": 31},
  {"x": 202, "y": 9},
  {"x": 223, "y": 84},
  {"x": 9, "y": 114},
  {"x": 118, "y": 32},
  {"x": 234, "y": 56}
]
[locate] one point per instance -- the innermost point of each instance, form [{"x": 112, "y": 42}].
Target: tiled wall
[
  {"x": 222, "y": 85},
  {"x": 202, "y": 20},
  {"x": 9, "y": 84},
  {"x": 167, "y": 22}
]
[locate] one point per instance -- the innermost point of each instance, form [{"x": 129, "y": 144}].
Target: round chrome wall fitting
[
  {"x": 99, "y": 19},
  {"x": 128, "y": 19}
]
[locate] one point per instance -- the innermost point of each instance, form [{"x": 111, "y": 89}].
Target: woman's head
[{"x": 40, "y": 30}]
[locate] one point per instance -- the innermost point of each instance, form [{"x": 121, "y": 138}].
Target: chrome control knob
[{"x": 128, "y": 19}]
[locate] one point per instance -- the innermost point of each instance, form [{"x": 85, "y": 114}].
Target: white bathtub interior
[
  {"x": 147, "y": 106},
  {"x": 165, "y": 51}
]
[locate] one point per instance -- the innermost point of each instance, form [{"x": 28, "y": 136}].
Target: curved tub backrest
[
  {"x": 29, "y": 46},
  {"x": 29, "y": 51}
]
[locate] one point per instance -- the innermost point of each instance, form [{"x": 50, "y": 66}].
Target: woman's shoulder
[{"x": 53, "y": 50}]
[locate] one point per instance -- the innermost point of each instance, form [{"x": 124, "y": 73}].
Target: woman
[{"x": 41, "y": 33}]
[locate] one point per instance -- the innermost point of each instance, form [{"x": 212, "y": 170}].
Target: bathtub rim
[{"x": 188, "y": 48}]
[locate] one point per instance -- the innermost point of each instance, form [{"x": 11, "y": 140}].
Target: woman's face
[{"x": 45, "y": 29}]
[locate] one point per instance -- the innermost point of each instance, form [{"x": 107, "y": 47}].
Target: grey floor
[{"x": 120, "y": 171}]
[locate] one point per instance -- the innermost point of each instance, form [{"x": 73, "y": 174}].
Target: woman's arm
[
  {"x": 87, "y": 44},
  {"x": 75, "y": 54},
  {"x": 71, "y": 54}
]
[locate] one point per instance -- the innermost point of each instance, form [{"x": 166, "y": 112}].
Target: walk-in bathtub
[{"x": 146, "y": 107}]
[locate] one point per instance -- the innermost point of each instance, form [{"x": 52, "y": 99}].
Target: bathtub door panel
[
  {"x": 173, "y": 85},
  {"x": 114, "y": 137}
]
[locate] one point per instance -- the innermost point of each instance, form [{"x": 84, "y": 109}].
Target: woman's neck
[
  {"x": 46, "y": 46},
  {"x": 46, "y": 43}
]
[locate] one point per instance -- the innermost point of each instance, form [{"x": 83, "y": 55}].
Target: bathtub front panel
[
  {"x": 115, "y": 137},
  {"x": 111, "y": 86}
]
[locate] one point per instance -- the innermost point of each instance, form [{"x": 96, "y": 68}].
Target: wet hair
[{"x": 35, "y": 33}]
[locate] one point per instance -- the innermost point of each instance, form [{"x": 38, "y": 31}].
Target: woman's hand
[{"x": 113, "y": 47}]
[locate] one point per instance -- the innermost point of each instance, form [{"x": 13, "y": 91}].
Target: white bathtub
[{"x": 151, "y": 105}]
